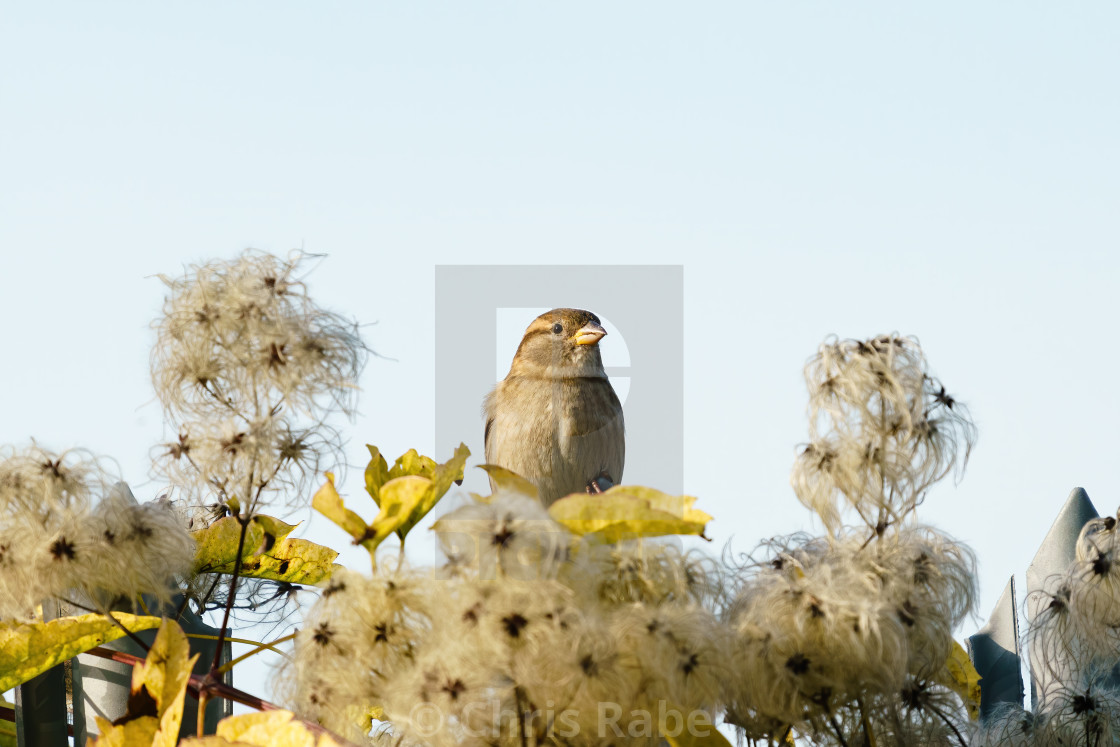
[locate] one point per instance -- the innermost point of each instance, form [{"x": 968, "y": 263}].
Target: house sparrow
[{"x": 555, "y": 419}]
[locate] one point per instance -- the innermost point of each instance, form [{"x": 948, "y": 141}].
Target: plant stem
[
  {"x": 868, "y": 734},
  {"x": 202, "y": 601},
  {"x": 836, "y": 728},
  {"x": 949, "y": 723},
  {"x": 244, "y": 521},
  {"x": 135, "y": 638},
  {"x": 200, "y": 717},
  {"x": 260, "y": 647},
  {"x": 520, "y": 715}
]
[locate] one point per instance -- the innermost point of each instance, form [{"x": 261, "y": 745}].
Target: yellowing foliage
[
  {"x": 29, "y": 649},
  {"x": 159, "y": 686},
  {"x": 404, "y": 495},
  {"x": 629, "y": 511}
]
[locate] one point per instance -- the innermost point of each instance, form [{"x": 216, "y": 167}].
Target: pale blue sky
[{"x": 945, "y": 170}]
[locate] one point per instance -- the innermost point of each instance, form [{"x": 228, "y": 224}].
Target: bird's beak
[{"x": 589, "y": 334}]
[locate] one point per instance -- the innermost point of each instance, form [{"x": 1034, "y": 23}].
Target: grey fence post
[
  {"x": 1057, "y": 551},
  {"x": 101, "y": 687},
  {"x": 995, "y": 653},
  {"x": 41, "y": 710},
  {"x": 41, "y": 714},
  {"x": 105, "y": 684},
  {"x": 996, "y": 649}
]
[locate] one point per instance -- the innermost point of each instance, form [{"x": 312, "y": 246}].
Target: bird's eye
[{"x": 557, "y": 328}]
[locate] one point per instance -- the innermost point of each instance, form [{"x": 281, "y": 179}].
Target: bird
[{"x": 555, "y": 418}]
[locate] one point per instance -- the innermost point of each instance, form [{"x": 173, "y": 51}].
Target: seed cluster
[
  {"x": 69, "y": 532},
  {"x": 523, "y": 636},
  {"x": 250, "y": 370}
]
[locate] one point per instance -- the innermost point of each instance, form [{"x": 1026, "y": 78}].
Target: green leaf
[
  {"x": 291, "y": 560},
  {"x": 217, "y": 543},
  {"x": 629, "y": 511},
  {"x": 29, "y": 649}
]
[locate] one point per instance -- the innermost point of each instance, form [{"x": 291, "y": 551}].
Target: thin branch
[
  {"x": 262, "y": 647},
  {"x": 244, "y": 521},
  {"x": 202, "y": 601},
  {"x": 949, "y": 723},
  {"x": 868, "y": 734},
  {"x": 200, "y": 716},
  {"x": 836, "y": 728},
  {"x": 135, "y": 638}
]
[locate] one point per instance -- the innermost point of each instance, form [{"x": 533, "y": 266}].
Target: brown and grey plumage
[{"x": 555, "y": 418}]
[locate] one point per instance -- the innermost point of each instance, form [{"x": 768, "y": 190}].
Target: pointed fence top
[
  {"x": 995, "y": 654},
  {"x": 1059, "y": 548}
]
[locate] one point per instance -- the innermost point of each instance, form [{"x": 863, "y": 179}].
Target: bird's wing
[{"x": 595, "y": 439}]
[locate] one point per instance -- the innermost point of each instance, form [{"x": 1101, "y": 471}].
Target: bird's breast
[{"x": 557, "y": 432}]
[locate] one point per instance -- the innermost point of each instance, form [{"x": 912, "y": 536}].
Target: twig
[
  {"x": 187, "y": 599},
  {"x": 232, "y": 592},
  {"x": 949, "y": 723},
  {"x": 867, "y": 732},
  {"x": 135, "y": 638},
  {"x": 836, "y": 728},
  {"x": 200, "y": 716},
  {"x": 520, "y": 716},
  {"x": 261, "y": 647}
]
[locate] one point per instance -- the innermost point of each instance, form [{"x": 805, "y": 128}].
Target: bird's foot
[{"x": 600, "y": 484}]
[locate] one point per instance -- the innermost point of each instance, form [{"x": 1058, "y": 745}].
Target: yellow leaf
[
  {"x": 271, "y": 729},
  {"x": 400, "y": 497},
  {"x": 505, "y": 479},
  {"x": 442, "y": 476},
  {"x": 29, "y": 649},
  {"x": 678, "y": 505},
  {"x": 681, "y": 728},
  {"x": 625, "y": 511},
  {"x": 217, "y": 543},
  {"x": 412, "y": 463},
  {"x": 139, "y": 732},
  {"x": 404, "y": 494},
  {"x": 363, "y": 716},
  {"x": 962, "y": 678},
  {"x": 329, "y": 503},
  {"x": 164, "y": 675},
  {"x": 291, "y": 560},
  {"x": 377, "y": 473}
]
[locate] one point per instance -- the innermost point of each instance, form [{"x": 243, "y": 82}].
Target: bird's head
[{"x": 561, "y": 342}]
